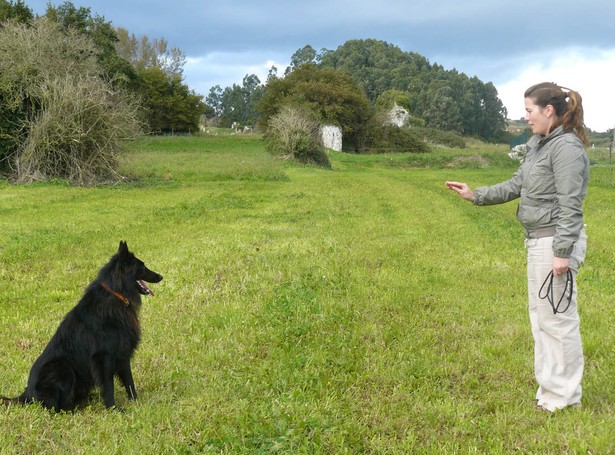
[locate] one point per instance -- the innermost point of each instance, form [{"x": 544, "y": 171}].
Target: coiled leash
[{"x": 548, "y": 283}]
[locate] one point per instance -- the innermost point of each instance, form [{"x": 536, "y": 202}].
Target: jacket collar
[{"x": 558, "y": 131}]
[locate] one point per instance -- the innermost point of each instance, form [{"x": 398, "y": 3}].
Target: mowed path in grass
[{"x": 362, "y": 309}]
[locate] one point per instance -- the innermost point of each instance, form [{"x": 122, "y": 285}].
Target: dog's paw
[{"x": 131, "y": 392}]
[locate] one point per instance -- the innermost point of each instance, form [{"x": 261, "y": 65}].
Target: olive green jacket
[{"x": 551, "y": 184}]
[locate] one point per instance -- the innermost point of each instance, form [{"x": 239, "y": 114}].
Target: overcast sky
[{"x": 513, "y": 44}]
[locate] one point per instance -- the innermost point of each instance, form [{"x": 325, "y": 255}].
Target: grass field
[{"x": 363, "y": 309}]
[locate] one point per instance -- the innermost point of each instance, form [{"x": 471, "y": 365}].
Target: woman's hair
[{"x": 568, "y": 106}]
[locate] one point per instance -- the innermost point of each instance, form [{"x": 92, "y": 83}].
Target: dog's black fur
[{"x": 95, "y": 341}]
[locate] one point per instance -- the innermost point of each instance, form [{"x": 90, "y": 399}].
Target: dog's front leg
[
  {"x": 124, "y": 372},
  {"x": 107, "y": 369}
]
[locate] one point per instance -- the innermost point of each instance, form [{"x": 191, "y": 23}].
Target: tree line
[{"x": 436, "y": 98}]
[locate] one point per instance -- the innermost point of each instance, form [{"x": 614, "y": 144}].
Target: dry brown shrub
[
  {"x": 74, "y": 122},
  {"x": 293, "y": 133},
  {"x": 78, "y": 133}
]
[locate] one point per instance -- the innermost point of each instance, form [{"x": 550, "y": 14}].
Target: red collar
[{"x": 120, "y": 296}]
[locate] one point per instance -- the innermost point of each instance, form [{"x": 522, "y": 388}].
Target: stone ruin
[
  {"x": 332, "y": 137},
  {"x": 398, "y": 116}
]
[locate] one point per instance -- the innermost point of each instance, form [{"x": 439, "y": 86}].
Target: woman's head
[{"x": 548, "y": 105}]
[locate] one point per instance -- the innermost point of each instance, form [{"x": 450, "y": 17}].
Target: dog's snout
[
  {"x": 157, "y": 278},
  {"x": 151, "y": 277}
]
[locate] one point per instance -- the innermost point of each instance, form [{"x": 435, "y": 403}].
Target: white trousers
[{"x": 558, "y": 352}]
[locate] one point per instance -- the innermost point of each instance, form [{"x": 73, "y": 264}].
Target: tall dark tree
[
  {"x": 169, "y": 104},
  {"x": 102, "y": 33},
  {"x": 144, "y": 52},
  {"x": 442, "y": 112},
  {"x": 214, "y": 100},
  {"x": 306, "y": 54},
  {"x": 236, "y": 104},
  {"x": 16, "y": 11}
]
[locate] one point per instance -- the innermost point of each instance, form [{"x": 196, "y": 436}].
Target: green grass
[{"x": 363, "y": 309}]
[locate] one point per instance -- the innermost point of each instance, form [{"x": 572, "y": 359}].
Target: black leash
[{"x": 549, "y": 292}]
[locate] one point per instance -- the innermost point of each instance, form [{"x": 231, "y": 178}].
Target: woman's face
[{"x": 539, "y": 118}]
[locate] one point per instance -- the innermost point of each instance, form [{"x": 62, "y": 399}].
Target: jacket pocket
[
  {"x": 532, "y": 217},
  {"x": 542, "y": 166}
]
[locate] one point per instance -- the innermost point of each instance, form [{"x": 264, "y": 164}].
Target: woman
[{"x": 551, "y": 184}]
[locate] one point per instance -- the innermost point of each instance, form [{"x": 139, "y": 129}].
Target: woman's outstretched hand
[{"x": 462, "y": 189}]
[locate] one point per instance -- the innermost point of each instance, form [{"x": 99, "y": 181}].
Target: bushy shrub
[
  {"x": 78, "y": 133},
  {"x": 393, "y": 139},
  {"x": 379, "y": 136},
  {"x": 64, "y": 120},
  {"x": 294, "y": 133},
  {"x": 439, "y": 137}
]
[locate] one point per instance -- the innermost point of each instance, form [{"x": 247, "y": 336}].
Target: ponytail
[
  {"x": 570, "y": 113},
  {"x": 573, "y": 117}
]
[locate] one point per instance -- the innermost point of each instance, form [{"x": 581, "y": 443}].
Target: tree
[
  {"x": 144, "y": 53},
  {"x": 332, "y": 95},
  {"x": 236, "y": 104},
  {"x": 389, "y": 98},
  {"x": 169, "y": 104},
  {"x": 214, "y": 100},
  {"x": 72, "y": 19},
  {"x": 493, "y": 119},
  {"x": 15, "y": 11},
  {"x": 442, "y": 111},
  {"x": 306, "y": 54}
]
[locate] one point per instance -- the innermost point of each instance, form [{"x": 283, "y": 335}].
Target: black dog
[{"x": 95, "y": 341}]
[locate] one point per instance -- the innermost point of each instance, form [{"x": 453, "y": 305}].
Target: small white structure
[
  {"x": 398, "y": 116},
  {"x": 332, "y": 137}
]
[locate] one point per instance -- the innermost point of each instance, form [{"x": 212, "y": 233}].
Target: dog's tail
[
  {"x": 11, "y": 401},
  {"x": 8, "y": 401}
]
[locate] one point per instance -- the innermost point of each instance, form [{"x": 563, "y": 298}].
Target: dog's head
[{"x": 134, "y": 270}]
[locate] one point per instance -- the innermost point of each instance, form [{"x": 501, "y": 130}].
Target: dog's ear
[{"x": 123, "y": 248}]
